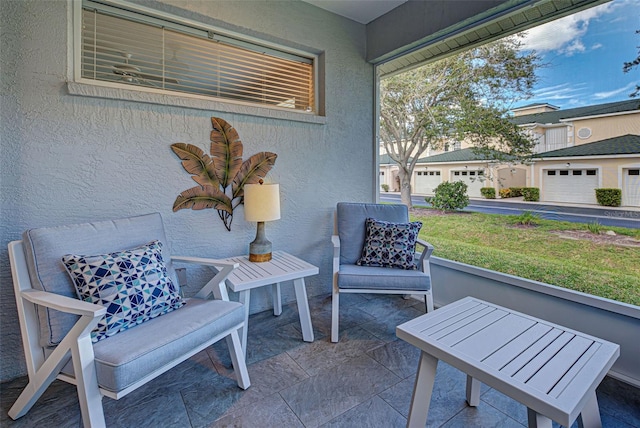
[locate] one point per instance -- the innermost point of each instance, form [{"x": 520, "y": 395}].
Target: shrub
[
  {"x": 594, "y": 227},
  {"x": 505, "y": 193},
  {"x": 516, "y": 191},
  {"x": 609, "y": 197},
  {"x": 385, "y": 187},
  {"x": 450, "y": 196},
  {"x": 531, "y": 194},
  {"x": 488, "y": 192},
  {"x": 528, "y": 218}
]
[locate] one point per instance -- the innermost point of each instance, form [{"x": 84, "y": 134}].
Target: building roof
[
  {"x": 624, "y": 145},
  {"x": 528, "y": 106},
  {"x": 462, "y": 155},
  {"x": 594, "y": 110}
]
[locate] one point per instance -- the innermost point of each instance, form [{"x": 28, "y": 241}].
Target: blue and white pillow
[
  {"x": 132, "y": 284},
  {"x": 391, "y": 245}
]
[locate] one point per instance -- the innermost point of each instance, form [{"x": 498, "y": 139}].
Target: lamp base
[
  {"x": 260, "y": 248},
  {"x": 258, "y": 258}
]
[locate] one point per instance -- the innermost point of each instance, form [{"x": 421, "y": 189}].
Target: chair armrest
[
  {"x": 428, "y": 248},
  {"x": 216, "y": 285},
  {"x": 63, "y": 303},
  {"x": 424, "y": 256},
  {"x": 335, "y": 240}
]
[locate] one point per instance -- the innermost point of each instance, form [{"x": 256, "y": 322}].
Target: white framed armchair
[
  {"x": 58, "y": 329},
  {"x": 348, "y": 242}
]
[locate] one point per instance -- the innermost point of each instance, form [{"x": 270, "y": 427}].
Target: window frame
[{"x": 77, "y": 85}]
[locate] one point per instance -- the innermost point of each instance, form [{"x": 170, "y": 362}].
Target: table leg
[
  {"x": 277, "y": 299},
  {"x": 536, "y": 420},
  {"x": 422, "y": 389},
  {"x": 303, "y": 309},
  {"x": 473, "y": 391},
  {"x": 590, "y": 415},
  {"x": 245, "y": 299}
]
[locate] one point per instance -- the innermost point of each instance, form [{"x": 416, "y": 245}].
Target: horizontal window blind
[{"x": 129, "y": 51}]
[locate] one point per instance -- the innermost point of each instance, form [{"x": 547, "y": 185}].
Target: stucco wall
[
  {"x": 67, "y": 158},
  {"x": 607, "y": 127}
]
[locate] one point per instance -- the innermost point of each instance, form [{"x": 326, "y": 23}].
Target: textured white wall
[{"x": 67, "y": 158}]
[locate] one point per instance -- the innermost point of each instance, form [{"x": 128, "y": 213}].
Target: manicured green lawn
[{"x": 494, "y": 242}]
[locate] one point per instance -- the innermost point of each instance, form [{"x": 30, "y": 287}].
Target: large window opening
[
  {"x": 123, "y": 47},
  {"x": 582, "y": 125}
]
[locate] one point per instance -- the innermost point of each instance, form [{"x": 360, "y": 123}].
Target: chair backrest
[
  {"x": 350, "y": 222},
  {"x": 44, "y": 248}
]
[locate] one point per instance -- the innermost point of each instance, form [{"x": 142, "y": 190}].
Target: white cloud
[
  {"x": 602, "y": 95},
  {"x": 563, "y": 91},
  {"x": 563, "y": 35}
]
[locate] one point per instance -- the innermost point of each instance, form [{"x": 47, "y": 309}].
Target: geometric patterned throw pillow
[
  {"x": 390, "y": 245},
  {"x": 132, "y": 284}
]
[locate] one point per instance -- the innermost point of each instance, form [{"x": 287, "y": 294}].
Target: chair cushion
[
  {"x": 378, "y": 278},
  {"x": 132, "y": 284},
  {"x": 133, "y": 354},
  {"x": 350, "y": 222},
  {"x": 44, "y": 247},
  {"x": 390, "y": 245}
]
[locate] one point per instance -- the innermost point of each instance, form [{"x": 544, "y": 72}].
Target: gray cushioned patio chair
[
  {"x": 348, "y": 243},
  {"x": 56, "y": 326}
]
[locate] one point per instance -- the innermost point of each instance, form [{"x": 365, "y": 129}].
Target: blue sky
[{"x": 585, "y": 53}]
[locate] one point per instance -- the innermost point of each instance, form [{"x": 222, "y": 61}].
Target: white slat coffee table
[
  {"x": 282, "y": 267},
  {"x": 552, "y": 370}
]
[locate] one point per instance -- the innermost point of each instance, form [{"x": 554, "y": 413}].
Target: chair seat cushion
[
  {"x": 131, "y": 355},
  {"x": 367, "y": 277}
]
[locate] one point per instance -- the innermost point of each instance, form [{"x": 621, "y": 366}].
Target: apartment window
[{"x": 124, "y": 47}]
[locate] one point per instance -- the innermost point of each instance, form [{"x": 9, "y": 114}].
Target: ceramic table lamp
[{"x": 261, "y": 203}]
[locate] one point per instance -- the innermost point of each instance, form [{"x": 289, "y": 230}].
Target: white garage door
[
  {"x": 473, "y": 179},
  {"x": 426, "y": 181},
  {"x": 631, "y": 187},
  {"x": 570, "y": 185}
]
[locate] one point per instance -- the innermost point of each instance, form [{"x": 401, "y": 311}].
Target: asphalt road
[{"x": 576, "y": 214}]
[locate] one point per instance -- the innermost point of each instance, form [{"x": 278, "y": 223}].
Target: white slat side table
[
  {"x": 552, "y": 370},
  {"x": 282, "y": 267}
]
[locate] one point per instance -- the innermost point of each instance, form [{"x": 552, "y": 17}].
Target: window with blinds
[{"x": 125, "y": 48}]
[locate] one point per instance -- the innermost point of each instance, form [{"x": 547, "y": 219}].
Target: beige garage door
[
  {"x": 631, "y": 187},
  {"x": 570, "y": 185},
  {"x": 427, "y": 181},
  {"x": 473, "y": 179}
]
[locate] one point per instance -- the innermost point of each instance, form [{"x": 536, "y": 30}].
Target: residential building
[{"x": 577, "y": 150}]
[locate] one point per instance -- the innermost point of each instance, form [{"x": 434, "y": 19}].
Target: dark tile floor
[{"x": 365, "y": 380}]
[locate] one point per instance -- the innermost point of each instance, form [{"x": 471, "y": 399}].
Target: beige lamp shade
[{"x": 261, "y": 202}]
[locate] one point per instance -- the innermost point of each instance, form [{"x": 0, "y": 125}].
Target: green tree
[{"x": 464, "y": 96}]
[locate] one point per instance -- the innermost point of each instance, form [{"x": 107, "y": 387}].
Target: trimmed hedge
[
  {"x": 488, "y": 192},
  {"x": 609, "y": 197},
  {"x": 531, "y": 194},
  {"x": 516, "y": 191}
]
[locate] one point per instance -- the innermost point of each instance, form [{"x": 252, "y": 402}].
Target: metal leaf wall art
[{"x": 222, "y": 175}]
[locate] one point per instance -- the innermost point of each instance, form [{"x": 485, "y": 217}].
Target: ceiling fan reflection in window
[{"x": 133, "y": 74}]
